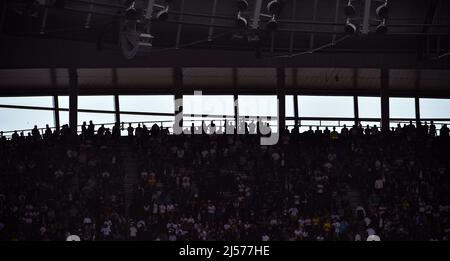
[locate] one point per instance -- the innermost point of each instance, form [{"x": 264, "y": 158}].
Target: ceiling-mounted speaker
[
  {"x": 349, "y": 10},
  {"x": 163, "y": 15},
  {"x": 273, "y": 6},
  {"x": 382, "y": 10},
  {"x": 349, "y": 28},
  {"x": 241, "y": 22},
  {"x": 382, "y": 28},
  {"x": 242, "y": 5}
]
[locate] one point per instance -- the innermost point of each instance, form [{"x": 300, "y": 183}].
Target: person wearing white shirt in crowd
[
  {"x": 133, "y": 232},
  {"x": 379, "y": 184}
]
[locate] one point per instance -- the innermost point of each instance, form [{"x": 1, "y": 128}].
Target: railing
[{"x": 321, "y": 122}]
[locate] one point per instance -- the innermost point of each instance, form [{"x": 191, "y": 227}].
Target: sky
[{"x": 309, "y": 106}]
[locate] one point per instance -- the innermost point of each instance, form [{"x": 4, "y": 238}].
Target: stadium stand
[{"x": 151, "y": 185}]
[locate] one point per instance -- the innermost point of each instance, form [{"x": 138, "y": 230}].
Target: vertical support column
[
  {"x": 56, "y": 119},
  {"x": 384, "y": 98},
  {"x": 178, "y": 85},
  {"x": 336, "y": 19},
  {"x": 116, "y": 96},
  {"x": 292, "y": 34},
  {"x": 355, "y": 97},
  {"x": 149, "y": 12},
  {"x": 416, "y": 101},
  {"x": 311, "y": 37},
  {"x": 211, "y": 21},
  {"x": 297, "y": 93},
  {"x": 56, "y": 112},
  {"x": 356, "y": 109},
  {"x": 256, "y": 15},
  {"x": 180, "y": 25},
  {"x": 281, "y": 95},
  {"x": 235, "y": 99},
  {"x": 296, "y": 121},
  {"x": 416, "y": 98},
  {"x": 73, "y": 99},
  {"x": 366, "y": 18},
  {"x": 116, "y": 108}
]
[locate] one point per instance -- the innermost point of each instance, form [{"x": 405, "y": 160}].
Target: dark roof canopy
[{"x": 35, "y": 55}]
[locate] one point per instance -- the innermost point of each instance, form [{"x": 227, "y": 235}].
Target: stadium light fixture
[
  {"x": 273, "y": 6},
  {"x": 349, "y": 27},
  {"x": 163, "y": 14},
  {"x": 382, "y": 28},
  {"x": 241, "y": 21},
  {"x": 242, "y": 5},
  {"x": 349, "y": 9},
  {"x": 131, "y": 13},
  {"x": 382, "y": 10}
]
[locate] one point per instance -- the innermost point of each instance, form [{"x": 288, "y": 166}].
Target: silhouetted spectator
[
  {"x": 101, "y": 130},
  {"x": 35, "y": 132},
  {"x": 444, "y": 132},
  {"x": 130, "y": 130},
  {"x": 432, "y": 129},
  {"x": 116, "y": 130},
  {"x": 91, "y": 129},
  {"x": 344, "y": 131}
]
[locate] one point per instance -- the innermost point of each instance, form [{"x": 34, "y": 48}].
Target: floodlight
[
  {"x": 349, "y": 27},
  {"x": 382, "y": 28},
  {"x": 349, "y": 9},
  {"x": 242, "y": 5},
  {"x": 163, "y": 15},
  {"x": 382, "y": 10},
  {"x": 273, "y": 6},
  {"x": 241, "y": 21}
]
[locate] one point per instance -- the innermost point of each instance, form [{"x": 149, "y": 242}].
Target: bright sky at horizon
[{"x": 263, "y": 105}]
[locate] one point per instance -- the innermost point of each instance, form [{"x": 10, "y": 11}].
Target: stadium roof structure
[{"x": 201, "y": 43}]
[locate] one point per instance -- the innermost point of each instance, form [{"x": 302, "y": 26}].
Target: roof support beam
[
  {"x": 46, "y": 53},
  {"x": 424, "y": 42}
]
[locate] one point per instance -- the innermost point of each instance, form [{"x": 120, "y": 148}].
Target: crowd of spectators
[
  {"x": 228, "y": 187},
  {"x": 316, "y": 185},
  {"x": 58, "y": 184}
]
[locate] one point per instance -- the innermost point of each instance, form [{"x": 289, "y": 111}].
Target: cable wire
[{"x": 331, "y": 44}]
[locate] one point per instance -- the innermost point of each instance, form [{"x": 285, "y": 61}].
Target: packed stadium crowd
[{"x": 316, "y": 185}]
